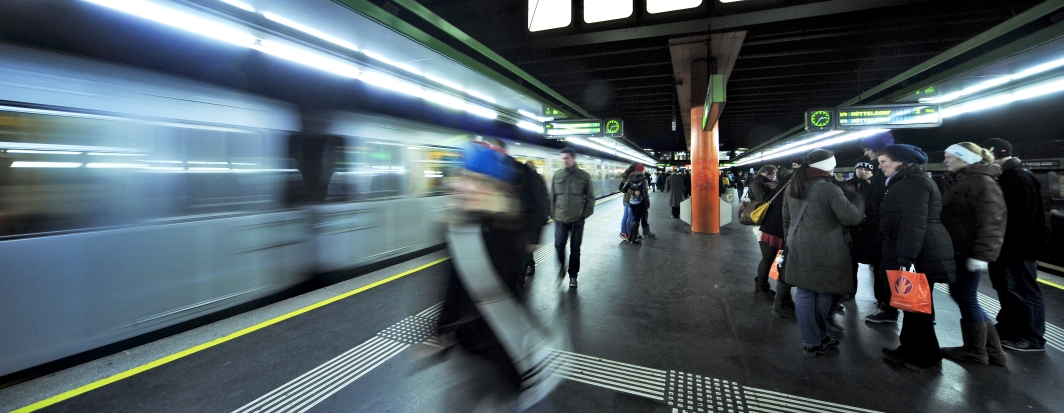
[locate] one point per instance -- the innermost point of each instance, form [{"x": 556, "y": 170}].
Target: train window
[
  {"x": 431, "y": 166},
  {"x": 603, "y": 10},
  {"x": 65, "y": 171},
  {"x": 661, "y": 6},
  {"x": 368, "y": 170},
  {"x": 549, "y": 14}
]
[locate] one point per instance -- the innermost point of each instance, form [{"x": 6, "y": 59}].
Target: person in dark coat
[
  {"x": 1022, "y": 318},
  {"x": 913, "y": 235},
  {"x": 764, "y": 184},
  {"x": 867, "y": 245},
  {"x": 674, "y": 185},
  {"x": 818, "y": 260},
  {"x": 974, "y": 213},
  {"x": 534, "y": 198},
  {"x": 636, "y": 190},
  {"x": 771, "y": 242}
]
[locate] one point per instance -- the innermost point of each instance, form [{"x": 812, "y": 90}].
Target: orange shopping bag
[
  {"x": 774, "y": 270},
  {"x": 909, "y": 291}
]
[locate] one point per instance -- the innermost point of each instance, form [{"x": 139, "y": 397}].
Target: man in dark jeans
[
  {"x": 572, "y": 200},
  {"x": 1022, "y": 319}
]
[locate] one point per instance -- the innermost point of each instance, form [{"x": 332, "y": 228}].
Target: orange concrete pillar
[{"x": 705, "y": 176}]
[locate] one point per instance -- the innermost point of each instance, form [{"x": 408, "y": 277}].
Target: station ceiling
[{"x": 796, "y": 55}]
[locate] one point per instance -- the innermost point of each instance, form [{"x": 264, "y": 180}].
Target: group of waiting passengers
[{"x": 986, "y": 216}]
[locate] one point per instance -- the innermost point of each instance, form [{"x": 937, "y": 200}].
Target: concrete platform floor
[{"x": 671, "y": 325}]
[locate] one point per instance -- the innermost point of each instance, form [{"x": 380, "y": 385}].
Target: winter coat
[
  {"x": 818, "y": 258},
  {"x": 1025, "y": 231},
  {"x": 676, "y": 189},
  {"x": 911, "y": 228},
  {"x": 620, "y": 188},
  {"x": 974, "y": 211},
  {"x": 572, "y": 197},
  {"x": 760, "y": 188},
  {"x": 867, "y": 241},
  {"x": 535, "y": 200},
  {"x": 772, "y": 223},
  {"x": 637, "y": 182}
]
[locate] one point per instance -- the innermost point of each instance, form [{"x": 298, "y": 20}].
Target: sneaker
[
  {"x": 624, "y": 236},
  {"x": 572, "y": 282},
  {"x": 1021, "y": 345},
  {"x": 815, "y": 350},
  {"x": 651, "y": 234},
  {"x": 881, "y": 316},
  {"x": 830, "y": 342}
]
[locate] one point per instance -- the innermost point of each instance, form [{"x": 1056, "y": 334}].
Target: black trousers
[
  {"x": 1023, "y": 308},
  {"x": 638, "y": 215},
  {"x": 881, "y": 287},
  {"x": 919, "y": 344},
  {"x": 676, "y": 212},
  {"x": 768, "y": 259}
]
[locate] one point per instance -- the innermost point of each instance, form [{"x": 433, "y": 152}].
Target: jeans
[
  {"x": 1023, "y": 309},
  {"x": 965, "y": 291},
  {"x": 574, "y": 233},
  {"x": 624, "y": 221},
  {"x": 919, "y": 344},
  {"x": 812, "y": 310},
  {"x": 639, "y": 214}
]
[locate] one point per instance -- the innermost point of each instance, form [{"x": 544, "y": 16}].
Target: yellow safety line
[
  {"x": 1050, "y": 283},
  {"x": 137, "y": 370}
]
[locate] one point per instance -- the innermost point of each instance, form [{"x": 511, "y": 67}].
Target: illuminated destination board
[
  {"x": 574, "y": 128},
  {"x": 889, "y": 116}
]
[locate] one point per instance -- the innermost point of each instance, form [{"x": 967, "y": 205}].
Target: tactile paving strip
[
  {"x": 694, "y": 393},
  {"x": 412, "y": 330}
]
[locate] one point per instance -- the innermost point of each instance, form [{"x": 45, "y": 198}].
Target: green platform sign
[
  {"x": 889, "y": 116},
  {"x": 552, "y": 112},
  {"x": 574, "y": 128}
]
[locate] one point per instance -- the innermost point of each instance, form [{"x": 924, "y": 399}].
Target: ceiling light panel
[
  {"x": 549, "y": 14},
  {"x": 602, "y": 10},
  {"x": 661, "y": 6}
]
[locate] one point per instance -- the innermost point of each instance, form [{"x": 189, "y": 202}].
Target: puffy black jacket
[
  {"x": 867, "y": 242},
  {"x": 974, "y": 211},
  {"x": 912, "y": 232},
  {"x": 1025, "y": 232},
  {"x": 536, "y": 203}
]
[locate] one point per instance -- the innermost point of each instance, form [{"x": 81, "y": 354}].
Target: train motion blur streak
[{"x": 131, "y": 201}]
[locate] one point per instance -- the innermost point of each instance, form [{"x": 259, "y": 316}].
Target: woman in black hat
[{"x": 913, "y": 235}]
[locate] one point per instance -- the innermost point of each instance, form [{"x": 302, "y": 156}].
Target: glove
[
  {"x": 905, "y": 263},
  {"x": 975, "y": 265}
]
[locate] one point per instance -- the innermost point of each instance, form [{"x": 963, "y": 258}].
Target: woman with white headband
[
  {"x": 974, "y": 213},
  {"x": 817, "y": 260}
]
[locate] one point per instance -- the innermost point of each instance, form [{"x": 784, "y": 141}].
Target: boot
[
  {"x": 974, "y": 349},
  {"x": 993, "y": 345}
]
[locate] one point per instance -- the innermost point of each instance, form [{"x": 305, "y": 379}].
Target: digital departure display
[
  {"x": 889, "y": 116},
  {"x": 574, "y": 128}
]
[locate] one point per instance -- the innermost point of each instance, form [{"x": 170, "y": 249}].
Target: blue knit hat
[
  {"x": 906, "y": 153},
  {"x": 878, "y": 141},
  {"x": 481, "y": 159}
]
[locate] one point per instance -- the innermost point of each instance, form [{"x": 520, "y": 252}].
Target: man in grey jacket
[{"x": 572, "y": 200}]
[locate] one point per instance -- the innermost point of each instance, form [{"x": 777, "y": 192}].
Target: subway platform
[{"x": 671, "y": 325}]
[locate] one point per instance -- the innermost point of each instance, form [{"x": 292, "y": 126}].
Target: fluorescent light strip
[
  {"x": 239, "y": 4},
  {"x": 180, "y": 20},
  {"x": 1002, "y": 99},
  {"x": 481, "y": 111},
  {"x": 403, "y": 66},
  {"x": 530, "y": 126},
  {"x": 115, "y": 165},
  {"x": 309, "y": 30},
  {"x": 21, "y": 164},
  {"x": 42, "y": 152},
  {"x": 308, "y": 58},
  {"x": 1044, "y": 67},
  {"x": 444, "y": 82},
  {"x": 444, "y": 99},
  {"x": 480, "y": 95},
  {"x": 114, "y": 154},
  {"x": 388, "y": 82}
]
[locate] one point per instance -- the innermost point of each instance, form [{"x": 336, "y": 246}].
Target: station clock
[{"x": 818, "y": 120}]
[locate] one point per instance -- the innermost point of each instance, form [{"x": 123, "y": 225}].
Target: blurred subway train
[{"x": 132, "y": 201}]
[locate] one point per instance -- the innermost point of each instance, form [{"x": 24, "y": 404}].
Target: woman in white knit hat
[{"x": 974, "y": 213}]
